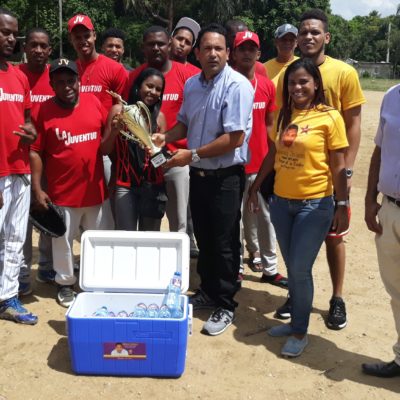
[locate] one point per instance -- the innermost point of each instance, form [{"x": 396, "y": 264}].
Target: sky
[{"x": 350, "y": 8}]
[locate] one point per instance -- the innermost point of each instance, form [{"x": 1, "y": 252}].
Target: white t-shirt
[{"x": 123, "y": 353}]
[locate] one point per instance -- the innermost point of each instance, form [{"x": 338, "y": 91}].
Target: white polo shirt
[{"x": 388, "y": 139}]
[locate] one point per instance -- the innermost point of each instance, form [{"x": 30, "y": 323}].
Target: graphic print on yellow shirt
[{"x": 302, "y": 153}]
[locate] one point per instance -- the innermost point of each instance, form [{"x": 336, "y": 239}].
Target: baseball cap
[
  {"x": 80, "y": 19},
  {"x": 190, "y": 24},
  {"x": 63, "y": 63},
  {"x": 284, "y": 30},
  {"x": 246, "y": 36}
]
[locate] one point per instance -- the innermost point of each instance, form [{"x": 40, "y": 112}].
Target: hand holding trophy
[{"x": 137, "y": 120}]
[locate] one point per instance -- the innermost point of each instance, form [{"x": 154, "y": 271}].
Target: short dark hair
[
  {"x": 6, "y": 11},
  {"x": 315, "y": 13},
  {"x": 233, "y": 25},
  {"x": 113, "y": 33},
  {"x": 154, "y": 29},
  {"x": 36, "y": 30},
  {"x": 216, "y": 28},
  {"x": 183, "y": 28}
]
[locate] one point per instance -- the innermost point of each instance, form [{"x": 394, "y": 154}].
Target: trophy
[{"x": 137, "y": 119}]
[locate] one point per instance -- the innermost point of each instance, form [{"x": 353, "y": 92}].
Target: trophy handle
[{"x": 146, "y": 110}]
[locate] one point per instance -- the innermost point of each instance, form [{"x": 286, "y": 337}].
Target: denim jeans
[{"x": 301, "y": 227}]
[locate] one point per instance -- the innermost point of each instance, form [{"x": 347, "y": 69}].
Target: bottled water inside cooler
[
  {"x": 173, "y": 300},
  {"x": 140, "y": 311},
  {"x": 152, "y": 311}
]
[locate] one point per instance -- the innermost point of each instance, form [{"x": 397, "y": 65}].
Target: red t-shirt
[
  {"x": 260, "y": 69},
  {"x": 40, "y": 87},
  {"x": 69, "y": 143},
  {"x": 14, "y": 100},
  {"x": 193, "y": 70},
  {"x": 264, "y": 102},
  {"x": 175, "y": 80},
  {"x": 100, "y": 75}
]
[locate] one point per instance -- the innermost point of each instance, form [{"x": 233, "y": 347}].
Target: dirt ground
[{"x": 242, "y": 363}]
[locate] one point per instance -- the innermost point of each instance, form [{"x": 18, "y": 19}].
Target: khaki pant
[{"x": 388, "y": 249}]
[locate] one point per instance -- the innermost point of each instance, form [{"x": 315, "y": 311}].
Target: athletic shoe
[
  {"x": 219, "y": 321},
  {"x": 284, "y": 312},
  {"x": 45, "y": 275},
  {"x": 200, "y": 301},
  {"x": 337, "y": 314},
  {"x": 294, "y": 347},
  {"x": 65, "y": 295},
  {"x": 280, "y": 330},
  {"x": 276, "y": 280},
  {"x": 382, "y": 369},
  {"x": 24, "y": 288},
  {"x": 13, "y": 310}
]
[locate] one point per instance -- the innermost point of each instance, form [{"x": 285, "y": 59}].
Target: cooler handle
[{"x": 190, "y": 319}]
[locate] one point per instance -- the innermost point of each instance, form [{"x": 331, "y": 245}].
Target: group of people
[{"x": 264, "y": 149}]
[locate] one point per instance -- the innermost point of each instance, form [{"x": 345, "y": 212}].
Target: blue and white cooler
[{"x": 120, "y": 269}]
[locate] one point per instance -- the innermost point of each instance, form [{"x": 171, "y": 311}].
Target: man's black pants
[{"x": 215, "y": 201}]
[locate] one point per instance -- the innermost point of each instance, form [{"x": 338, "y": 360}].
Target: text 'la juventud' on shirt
[
  {"x": 264, "y": 102},
  {"x": 40, "y": 89},
  {"x": 69, "y": 144},
  {"x": 102, "y": 74},
  {"x": 14, "y": 100},
  {"x": 175, "y": 80},
  {"x": 302, "y": 153}
]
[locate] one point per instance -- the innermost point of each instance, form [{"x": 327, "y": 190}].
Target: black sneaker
[
  {"x": 65, "y": 295},
  {"x": 276, "y": 280},
  {"x": 337, "y": 314},
  {"x": 201, "y": 301},
  {"x": 284, "y": 312}
]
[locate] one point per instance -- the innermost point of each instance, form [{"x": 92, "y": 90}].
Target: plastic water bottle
[
  {"x": 122, "y": 314},
  {"x": 164, "y": 312},
  {"x": 173, "y": 299},
  {"x": 140, "y": 311},
  {"x": 101, "y": 312},
  {"x": 152, "y": 311}
]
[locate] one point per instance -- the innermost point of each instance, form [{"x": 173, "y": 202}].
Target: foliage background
[{"x": 364, "y": 38}]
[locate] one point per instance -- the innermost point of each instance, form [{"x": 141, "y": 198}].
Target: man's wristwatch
[
  {"x": 342, "y": 203},
  {"x": 195, "y": 156},
  {"x": 349, "y": 173}
]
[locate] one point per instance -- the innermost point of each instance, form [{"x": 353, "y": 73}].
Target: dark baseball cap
[
  {"x": 63, "y": 63},
  {"x": 284, "y": 29}
]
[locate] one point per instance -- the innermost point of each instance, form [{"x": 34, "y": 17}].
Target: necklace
[{"x": 87, "y": 71}]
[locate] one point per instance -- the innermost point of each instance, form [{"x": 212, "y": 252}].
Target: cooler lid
[{"x": 139, "y": 262}]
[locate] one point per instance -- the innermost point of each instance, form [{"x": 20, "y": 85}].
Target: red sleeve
[
  {"x": 271, "y": 106},
  {"x": 260, "y": 69},
  {"x": 120, "y": 80},
  {"x": 27, "y": 89}
]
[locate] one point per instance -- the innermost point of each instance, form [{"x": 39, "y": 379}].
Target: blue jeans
[{"x": 301, "y": 227}]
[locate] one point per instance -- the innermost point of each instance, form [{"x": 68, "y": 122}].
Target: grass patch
[{"x": 379, "y": 85}]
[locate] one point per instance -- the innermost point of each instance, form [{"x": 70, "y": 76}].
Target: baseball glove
[{"x": 50, "y": 222}]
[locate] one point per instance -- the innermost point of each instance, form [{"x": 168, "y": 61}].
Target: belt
[
  {"x": 217, "y": 173},
  {"x": 393, "y": 200}
]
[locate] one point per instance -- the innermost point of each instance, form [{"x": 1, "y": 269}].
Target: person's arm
[
  {"x": 1, "y": 200},
  {"x": 352, "y": 120},
  {"x": 266, "y": 167},
  {"x": 111, "y": 131},
  {"x": 177, "y": 132},
  {"x": 28, "y": 132},
  {"x": 337, "y": 166},
  {"x": 371, "y": 204},
  {"x": 269, "y": 121},
  {"x": 41, "y": 198},
  {"x": 221, "y": 145},
  {"x": 161, "y": 122}
]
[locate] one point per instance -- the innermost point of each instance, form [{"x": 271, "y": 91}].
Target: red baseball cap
[
  {"x": 80, "y": 19},
  {"x": 246, "y": 36}
]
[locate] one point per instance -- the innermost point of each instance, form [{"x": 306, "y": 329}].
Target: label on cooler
[{"x": 124, "y": 351}]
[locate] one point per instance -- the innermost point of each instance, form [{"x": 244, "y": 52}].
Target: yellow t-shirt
[
  {"x": 302, "y": 153},
  {"x": 275, "y": 72},
  {"x": 341, "y": 84}
]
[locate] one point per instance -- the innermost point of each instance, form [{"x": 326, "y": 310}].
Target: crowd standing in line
[{"x": 222, "y": 124}]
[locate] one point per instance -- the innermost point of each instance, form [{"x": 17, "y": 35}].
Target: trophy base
[{"x": 158, "y": 159}]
